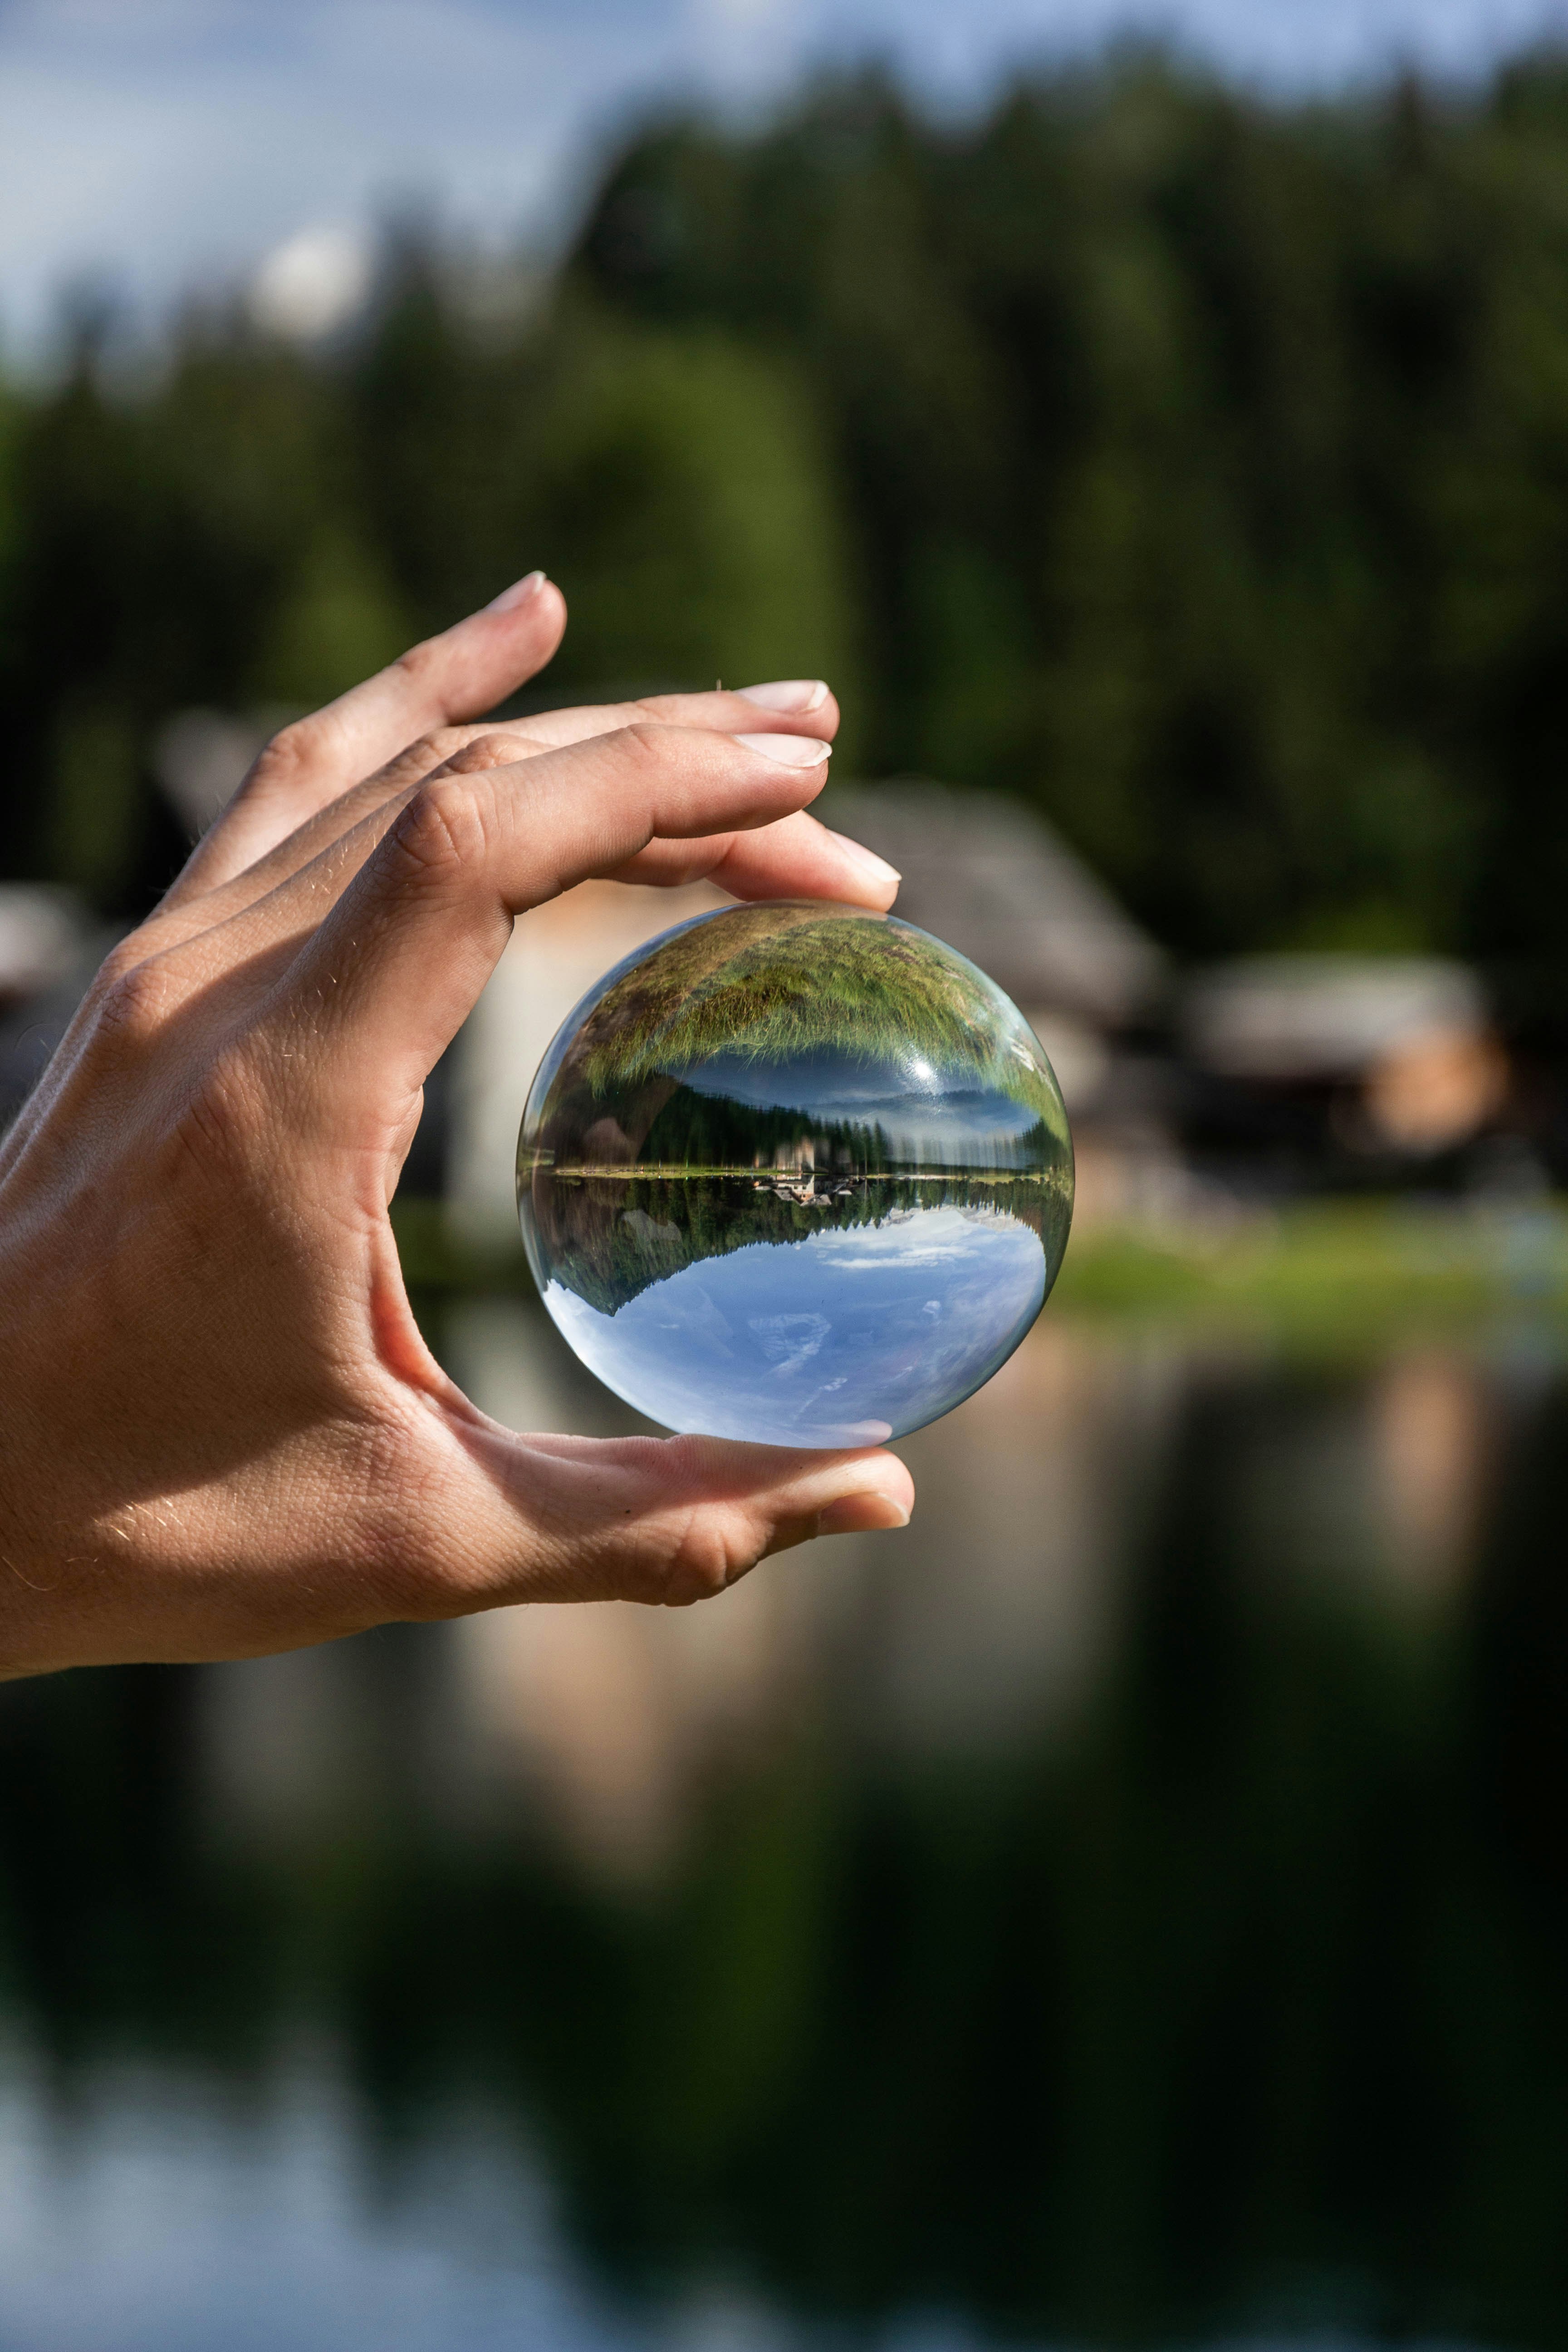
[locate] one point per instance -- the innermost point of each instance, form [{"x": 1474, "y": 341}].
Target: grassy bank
[
  {"x": 1332, "y": 1270},
  {"x": 1325, "y": 1272}
]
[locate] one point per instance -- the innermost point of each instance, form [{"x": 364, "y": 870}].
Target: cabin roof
[{"x": 1324, "y": 1015}]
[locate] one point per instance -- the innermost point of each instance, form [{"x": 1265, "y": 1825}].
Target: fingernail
[
  {"x": 875, "y": 868},
  {"x": 518, "y": 593},
  {"x": 786, "y": 694},
  {"x": 789, "y": 751},
  {"x": 855, "y": 1514}
]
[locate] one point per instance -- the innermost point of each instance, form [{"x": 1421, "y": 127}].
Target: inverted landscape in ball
[{"x": 794, "y": 1174}]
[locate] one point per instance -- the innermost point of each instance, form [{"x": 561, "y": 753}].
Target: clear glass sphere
[{"x": 794, "y": 1174}]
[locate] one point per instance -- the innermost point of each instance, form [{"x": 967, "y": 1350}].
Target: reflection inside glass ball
[{"x": 794, "y": 1174}]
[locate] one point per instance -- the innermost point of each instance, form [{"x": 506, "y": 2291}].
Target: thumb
[{"x": 661, "y": 1520}]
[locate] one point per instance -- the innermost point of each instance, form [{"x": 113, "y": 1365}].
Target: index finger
[{"x": 458, "y": 675}]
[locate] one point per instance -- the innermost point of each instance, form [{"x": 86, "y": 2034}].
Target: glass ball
[{"x": 794, "y": 1174}]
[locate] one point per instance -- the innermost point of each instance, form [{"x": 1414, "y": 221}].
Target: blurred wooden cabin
[{"x": 1323, "y": 1070}]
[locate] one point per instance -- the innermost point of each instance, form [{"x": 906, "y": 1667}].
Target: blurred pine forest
[{"x": 1193, "y": 467}]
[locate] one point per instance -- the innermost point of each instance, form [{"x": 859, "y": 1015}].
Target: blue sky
[{"x": 163, "y": 144}]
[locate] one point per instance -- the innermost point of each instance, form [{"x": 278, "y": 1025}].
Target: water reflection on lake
[{"x": 1131, "y": 1906}]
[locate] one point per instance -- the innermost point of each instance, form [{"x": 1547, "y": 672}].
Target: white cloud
[
  {"x": 171, "y": 141},
  {"x": 312, "y": 283},
  {"x": 164, "y": 161}
]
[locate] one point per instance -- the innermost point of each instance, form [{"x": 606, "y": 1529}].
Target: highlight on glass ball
[{"x": 794, "y": 1174}]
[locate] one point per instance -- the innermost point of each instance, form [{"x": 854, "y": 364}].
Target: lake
[{"x": 1129, "y": 1908}]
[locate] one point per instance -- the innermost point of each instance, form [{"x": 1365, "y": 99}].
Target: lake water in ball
[{"x": 794, "y": 1174}]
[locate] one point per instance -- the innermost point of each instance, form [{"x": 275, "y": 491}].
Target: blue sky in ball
[
  {"x": 156, "y": 146},
  {"x": 845, "y": 1338}
]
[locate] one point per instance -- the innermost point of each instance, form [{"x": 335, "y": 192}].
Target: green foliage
[
  {"x": 337, "y": 620},
  {"x": 93, "y": 811},
  {"x": 1333, "y": 1279},
  {"x": 764, "y": 984},
  {"x": 1194, "y": 468},
  {"x": 11, "y": 418},
  {"x": 1208, "y": 458},
  {"x": 683, "y": 504},
  {"x": 159, "y": 541},
  {"x": 257, "y": 531}
]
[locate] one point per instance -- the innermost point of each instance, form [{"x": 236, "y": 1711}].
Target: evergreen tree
[{"x": 1192, "y": 466}]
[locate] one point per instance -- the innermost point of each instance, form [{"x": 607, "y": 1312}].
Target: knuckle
[
  {"x": 415, "y": 665},
  {"x": 428, "y": 751},
  {"x": 699, "y": 1570},
  {"x": 419, "y": 759},
  {"x": 131, "y": 998},
  {"x": 290, "y": 751},
  {"x": 644, "y": 745},
  {"x": 703, "y": 1552},
  {"x": 438, "y": 744},
  {"x": 482, "y": 751},
  {"x": 122, "y": 958},
  {"x": 442, "y": 832}
]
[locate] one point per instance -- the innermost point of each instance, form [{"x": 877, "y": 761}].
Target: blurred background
[{"x": 1131, "y": 1906}]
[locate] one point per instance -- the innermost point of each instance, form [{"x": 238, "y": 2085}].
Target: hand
[{"x": 220, "y": 1429}]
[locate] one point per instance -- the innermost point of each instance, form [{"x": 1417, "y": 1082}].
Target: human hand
[{"x": 221, "y": 1433}]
